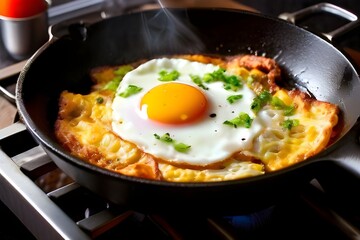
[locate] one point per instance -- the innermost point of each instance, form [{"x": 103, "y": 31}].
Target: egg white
[{"x": 211, "y": 141}]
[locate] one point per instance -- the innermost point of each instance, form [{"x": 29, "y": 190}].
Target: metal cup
[{"x": 23, "y": 36}]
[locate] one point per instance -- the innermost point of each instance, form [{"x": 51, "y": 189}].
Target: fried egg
[
  {"x": 168, "y": 120},
  {"x": 161, "y": 115}
]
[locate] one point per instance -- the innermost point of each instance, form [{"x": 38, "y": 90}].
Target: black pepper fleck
[{"x": 213, "y": 115}]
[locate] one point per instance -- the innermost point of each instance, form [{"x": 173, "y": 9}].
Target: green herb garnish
[
  {"x": 166, "y": 76},
  {"x": 180, "y": 147},
  {"x": 164, "y": 138},
  {"x": 99, "y": 100},
  {"x": 123, "y": 70},
  {"x": 243, "y": 120},
  {"x": 290, "y": 123},
  {"x": 119, "y": 74},
  {"x": 260, "y": 101},
  {"x": 231, "y": 82},
  {"x": 131, "y": 90},
  {"x": 113, "y": 84},
  {"x": 234, "y": 98},
  {"x": 197, "y": 80},
  {"x": 265, "y": 97},
  {"x": 279, "y": 104},
  {"x": 216, "y": 76}
]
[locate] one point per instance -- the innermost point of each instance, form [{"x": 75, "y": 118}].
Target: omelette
[{"x": 194, "y": 118}]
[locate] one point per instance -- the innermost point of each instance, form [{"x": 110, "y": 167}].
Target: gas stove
[
  {"x": 42, "y": 202},
  {"x": 50, "y": 205}
]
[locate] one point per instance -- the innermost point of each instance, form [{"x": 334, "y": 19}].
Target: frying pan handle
[
  {"x": 6, "y": 73},
  {"x": 8, "y": 95},
  {"x": 110, "y": 8},
  {"x": 78, "y": 24},
  {"x": 328, "y": 8}
]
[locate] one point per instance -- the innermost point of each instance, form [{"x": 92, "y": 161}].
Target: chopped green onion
[
  {"x": 290, "y": 123},
  {"x": 289, "y": 110},
  {"x": 99, "y": 100},
  {"x": 234, "y": 98},
  {"x": 216, "y": 76},
  {"x": 279, "y": 104},
  {"x": 123, "y": 70},
  {"x": 261, "y": 100},
  {"x": 265, "y": 97},
  {"x": 131, "y": 90},
  {"x": 119, "y": 74},
  {"x": 243, "y": 120},
  {"x": 231, "y": 82},
  {"x": 166, "y": 76},
  {"x": 164, "y": 138},
  {"x": 113, "y": 84},
  {"x": 197, "y": 80},
  {"x": 180, "y": 147}
]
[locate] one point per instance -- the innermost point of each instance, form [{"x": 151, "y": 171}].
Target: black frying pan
[{"x": 307, "y": 60}]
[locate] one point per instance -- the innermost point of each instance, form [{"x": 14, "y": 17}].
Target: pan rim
[{"x": 49, "y": 144}]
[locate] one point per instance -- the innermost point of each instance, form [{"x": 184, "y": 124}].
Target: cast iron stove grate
[{"x": 53, "y": 206}]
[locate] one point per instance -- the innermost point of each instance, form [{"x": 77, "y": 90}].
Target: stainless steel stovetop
[{"x": 50, "y": 205}]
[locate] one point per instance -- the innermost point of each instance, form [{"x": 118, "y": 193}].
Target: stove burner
[{"x": 252, "y": 221}]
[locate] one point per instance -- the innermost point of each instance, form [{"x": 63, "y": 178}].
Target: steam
[{"x": 170, "y": 32}]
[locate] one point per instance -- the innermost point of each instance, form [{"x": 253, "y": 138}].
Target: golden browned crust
[
  {"x": 84, "y": 128},
  {"x": 279, "y": 149}
]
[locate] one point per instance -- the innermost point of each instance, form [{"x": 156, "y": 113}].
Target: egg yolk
[{"x": 174, "y": 103}]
